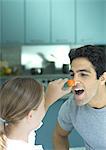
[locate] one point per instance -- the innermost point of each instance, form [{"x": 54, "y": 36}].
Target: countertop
[{"x": 78, "y": 148}]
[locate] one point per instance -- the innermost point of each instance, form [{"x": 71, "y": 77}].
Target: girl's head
[{"x": 19, "y": 97}]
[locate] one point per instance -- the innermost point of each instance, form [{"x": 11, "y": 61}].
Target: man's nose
[{"x": 76, "y": 78}]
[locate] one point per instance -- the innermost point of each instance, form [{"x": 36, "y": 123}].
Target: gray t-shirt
[{"x": 90, "y": 123}]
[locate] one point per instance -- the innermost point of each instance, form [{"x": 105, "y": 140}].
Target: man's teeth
[{"x": 79, "y": 91}]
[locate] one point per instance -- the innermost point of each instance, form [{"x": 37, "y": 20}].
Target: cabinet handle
[{"x": 37, "y": 41}]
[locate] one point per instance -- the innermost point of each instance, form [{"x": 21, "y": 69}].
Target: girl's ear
[{"x": 30, "y": 115}]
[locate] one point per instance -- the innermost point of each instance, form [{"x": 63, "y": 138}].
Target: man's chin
[{"x": 81, "y": 102}]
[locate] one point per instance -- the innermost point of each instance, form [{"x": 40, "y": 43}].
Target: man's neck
[{"x": 99, "y": 101}]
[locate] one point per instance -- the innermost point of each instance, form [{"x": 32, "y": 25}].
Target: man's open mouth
[{"x": 79, "y": 91}]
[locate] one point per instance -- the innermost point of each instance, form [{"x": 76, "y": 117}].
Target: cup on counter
[
  {"x": 65, "y": 68},
  {"x": 36, "y": 71}
]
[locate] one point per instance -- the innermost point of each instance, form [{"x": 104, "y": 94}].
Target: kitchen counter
[
  {"x": 78, "y": 148},
  {"x": 44, "y": 78}
]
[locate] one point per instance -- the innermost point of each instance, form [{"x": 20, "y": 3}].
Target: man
[{"x": 86, "y": 112}]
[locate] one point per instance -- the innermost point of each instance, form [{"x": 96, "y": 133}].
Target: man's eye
[
  {"x": 72, "y": 75},
  {"x": 83, "y": 74}
]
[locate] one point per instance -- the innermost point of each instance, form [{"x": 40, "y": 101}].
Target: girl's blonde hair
[{"x": 17, "y": 97}]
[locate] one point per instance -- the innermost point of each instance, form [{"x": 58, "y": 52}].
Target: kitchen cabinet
[
  {"x": 37, "y": 21},
  {"x": 0, "y": 25},
  {"x": 105, "y": 22},
  {"x": 90, "y": 21},
  {"x": 52, "y": 22},
  {"x": 13, "y": 21},
  {"x": 63, "y": 21}
]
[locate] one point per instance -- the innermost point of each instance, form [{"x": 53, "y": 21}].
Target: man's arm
[{"x": 60, "y": 138}]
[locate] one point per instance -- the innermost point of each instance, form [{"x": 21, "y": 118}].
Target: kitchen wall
[
  {"x": 39, "y": 56},
  {"x": 12, "y": 55},
  {"x": 50, "y": 58},
  {"x": 10, "y": 60}
]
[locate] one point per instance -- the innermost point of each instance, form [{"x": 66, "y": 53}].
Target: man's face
[{"x": 86, "y": 88}]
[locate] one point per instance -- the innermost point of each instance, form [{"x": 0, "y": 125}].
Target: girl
[{"x": 23, "y": 105}]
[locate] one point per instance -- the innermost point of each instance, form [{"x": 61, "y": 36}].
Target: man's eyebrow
[
  {"x": 84, "y": 70},
  {"x": 81, "y": 70}
]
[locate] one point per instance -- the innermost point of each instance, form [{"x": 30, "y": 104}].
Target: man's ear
[{"x": 103, "y": 78}]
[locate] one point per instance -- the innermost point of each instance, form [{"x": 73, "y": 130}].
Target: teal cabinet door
[
  {"x": 37, "y": 21},
  {"x": 0, "y": 26},
  {"x": 63, "y": 21},
  {"x": 13, "y": 21},
  {"x": 105, "y": 22},
  {"x": 90, "y": 16}
]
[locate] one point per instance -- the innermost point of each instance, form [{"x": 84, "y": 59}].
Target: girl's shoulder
[{"x": 20, "y": 145}]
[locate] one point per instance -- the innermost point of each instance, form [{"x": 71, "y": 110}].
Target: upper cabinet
[
  {"x": 105, "y": 22},
  {"x": 50, "y": 21},
  {"x": 0, "y": 24},
  {"x": 13, "y": 21},
  {"x": 90, "y": 21},
  {"x": 53, "y": 22},
  {"x": 37, "y": 22},
  {"x": 63, "y": 21}
]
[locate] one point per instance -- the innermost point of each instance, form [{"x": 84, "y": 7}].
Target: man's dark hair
[{"x": 95, "y": 54}]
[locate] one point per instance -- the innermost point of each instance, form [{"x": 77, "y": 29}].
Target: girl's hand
[{"x": 55, "y": 91}]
